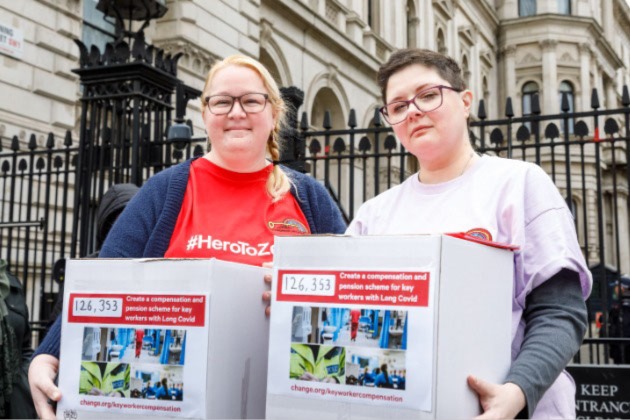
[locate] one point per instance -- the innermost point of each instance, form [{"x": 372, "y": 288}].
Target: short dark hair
[{"x": 447, "y": 68}]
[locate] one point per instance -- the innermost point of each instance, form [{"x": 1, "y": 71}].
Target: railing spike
[
  {"x": 32, "y": 142},
  {"x": 84, "y": 55},
  {"x": 94, "y": 58},
  {"x": 67, "y": 141},
  {"x": 327, "y": 125},
  {"x": 509, "y": 111},
  {"x": 50, "y": 141},
  {"x": 304, "y": 122},
  {"x": 625, "y": 97},
  {"x": 535, "y": 104},
  {"x": 565, "y": 103},
  {"x": 15, "y": 144},
  {"x": 377, "y": 117},
  {"x": 481, "y": 113},
  {"x": 352, "y": 119},
  {"x": 611, "y": 127},
  {"x": 594, "y": 99},
  {"x": 552, "y": 131}
]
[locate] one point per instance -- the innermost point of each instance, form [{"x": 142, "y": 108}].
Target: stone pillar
[
  {"x": 427, "y": 29},
  {"x": 585, "y": 78},
  {"x": 546, "y": 6},
  {"x": 582, "y": 8},
  {"x": 550, "y": 77},
  {"x": 412, "y": 32},
  {"x": 387, "y": 32},
  {"x": 509, "y": 56},
  {"x": 608, "y": 19},
  {"x": 611, "y": 94},
  {"x": 452, "y": 39},
  {"x": 320, "y": 6},
  {"x": 599, "y": 82},
  {"x": 507, "y": 9},
  {"x": 475, "y": 68},
  {"x": 354, "y": 28}
]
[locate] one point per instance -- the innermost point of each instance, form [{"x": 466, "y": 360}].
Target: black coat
[
  {"x": 21, "y": 405},
  {"x": 112, "y": 204}
]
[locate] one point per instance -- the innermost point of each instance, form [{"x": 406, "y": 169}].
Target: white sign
[
  {"x": 311, "y": 284},
  {"x": 136, "y": 353},
  {"x": 408, "y": 319},
  {"x": 11, "y": 41},
  {"x": 97, "y": 307},
  {"x": 354, "y": 335},
  {"x": 163, "y": 338}
]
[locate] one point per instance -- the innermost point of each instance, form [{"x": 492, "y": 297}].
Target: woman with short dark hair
[{"x": 509, "y": 201}]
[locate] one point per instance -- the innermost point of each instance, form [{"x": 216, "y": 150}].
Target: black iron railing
[
  {"x": 49, "y": 194},
  {"x": 585, "y": 153},
  {"x": 38, "y": 186}
]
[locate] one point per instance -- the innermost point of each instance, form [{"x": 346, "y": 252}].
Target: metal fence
[
  {"x": 588, "y": 164},
  {"x": 50, "y": 192},
  {"x": 50, "y": 187},
  {"x": 38, "y": 186}
]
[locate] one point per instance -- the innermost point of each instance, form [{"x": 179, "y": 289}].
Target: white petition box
[
  {"x": 129, "y": 324},
  {"x": 434, "y": 309}
]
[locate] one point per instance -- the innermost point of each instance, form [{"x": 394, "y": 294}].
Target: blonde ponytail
[{"x": 278, "y": 183}]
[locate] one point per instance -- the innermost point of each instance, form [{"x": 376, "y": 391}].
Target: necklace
[{"x": 472, "y": 154}]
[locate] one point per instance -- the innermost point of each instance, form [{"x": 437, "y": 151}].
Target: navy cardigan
[{"x": 145, "y": 227}]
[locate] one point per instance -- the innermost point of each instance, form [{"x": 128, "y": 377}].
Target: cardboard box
[
  {"x": 465, "y": 317},
  {"x": 202, "y": 326}
]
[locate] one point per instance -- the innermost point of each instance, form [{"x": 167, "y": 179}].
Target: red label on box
[
  {"x": 137, "y": 309},
  {"x": 378, "y": 288}
]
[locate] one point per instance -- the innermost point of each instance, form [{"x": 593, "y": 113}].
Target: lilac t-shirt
[{"x": 511, "y": 201}]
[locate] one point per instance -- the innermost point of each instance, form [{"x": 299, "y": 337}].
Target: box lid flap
[{"x": 467, "y": 237}]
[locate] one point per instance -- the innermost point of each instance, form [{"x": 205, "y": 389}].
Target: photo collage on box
[
  {"x": 142, "y": 363},
  {"x": 350, "y": 346}
]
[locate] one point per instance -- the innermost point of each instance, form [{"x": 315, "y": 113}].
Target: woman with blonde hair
[{"x": 228, "y": 204}]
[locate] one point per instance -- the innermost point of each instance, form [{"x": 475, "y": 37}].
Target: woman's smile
[{"x": 238, "y": 131}]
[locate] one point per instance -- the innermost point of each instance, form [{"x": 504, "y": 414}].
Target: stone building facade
[{"x": 330, "y": 49}]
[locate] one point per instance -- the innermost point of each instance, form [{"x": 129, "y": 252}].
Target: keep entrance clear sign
[{"x": 602, "y": 392}]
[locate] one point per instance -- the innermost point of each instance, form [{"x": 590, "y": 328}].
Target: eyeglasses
[
  {"x": 251, "y": 103},
  {"x": 425, "y": 101}
]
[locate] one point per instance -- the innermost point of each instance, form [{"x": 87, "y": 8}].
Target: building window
[
  {"x": 486, "y": 93},
  {"x": 566, "y": 87},
  {"x": 564, "y": 7},
  {"x": 97, "y": 30},
  {"x": 373, "y": 14},
  {"x": 526, "y": 8},
  {"x": 529, "y": 90}
]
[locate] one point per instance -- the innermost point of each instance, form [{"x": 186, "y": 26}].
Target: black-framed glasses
[
  {"x": 426, "y": 100},
  {"x": 251, "y": 103}
]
